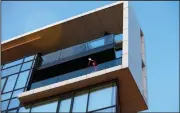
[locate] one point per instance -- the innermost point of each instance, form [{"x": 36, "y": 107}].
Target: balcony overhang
[
  {"x": 130, "y": 98},
  {"x": 66, "y": 33}
]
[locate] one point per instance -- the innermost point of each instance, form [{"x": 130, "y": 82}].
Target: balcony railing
[
  {"x": 77, "y": 73},
  {"x": 74, "y": 50}
]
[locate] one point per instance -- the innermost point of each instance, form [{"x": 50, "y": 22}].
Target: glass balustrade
[
  {"x": 77, "y": 73},
  {"x": 74, "y": 50}
]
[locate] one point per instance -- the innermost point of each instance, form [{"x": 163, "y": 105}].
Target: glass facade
[
  {"x": 101, "y": 98},
  {"x": 16, "y": 75},
  {"x": 14, "y": 80}
]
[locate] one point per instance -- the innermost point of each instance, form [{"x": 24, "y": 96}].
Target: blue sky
[{"x": 160, "y": 24}]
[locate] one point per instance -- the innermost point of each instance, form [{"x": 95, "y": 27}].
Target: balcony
[
  {"x": 72, "y": 62},
  {"x": 75, "y": 74},
  {"x": 77, "y": 51}
]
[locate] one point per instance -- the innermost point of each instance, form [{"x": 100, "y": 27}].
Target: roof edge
[{"x": 62, "y": 21}]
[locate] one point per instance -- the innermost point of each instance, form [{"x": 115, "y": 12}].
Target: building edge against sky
[{"x": 130, "y": 75}]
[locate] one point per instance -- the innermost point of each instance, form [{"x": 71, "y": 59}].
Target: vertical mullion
[
  {"x": 72, "y": 102},
  {"x": 117, "y": 98},
  {"x": 58, "y": 106},
  {"x": 4, "y": 84},
  {"x": 35, "y": 61},
  {"x": 30, "y": 108},
  {"x": 29, "y": 75},
  {"x": 88, "y": 101}
]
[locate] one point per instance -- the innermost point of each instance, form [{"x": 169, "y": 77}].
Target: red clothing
[{"x": 92, "y": 63}]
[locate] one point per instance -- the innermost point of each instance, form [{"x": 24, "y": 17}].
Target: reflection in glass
[
  {"x": 45, "y": 107},
  {"x": 29, "y": 58},
  {"x": 6, "y": 96},
  {"x": 17, "y": 92},
  {"x": 4, "y": 105},
  {"x": 102, "y": 97},
  {"x": 2, "y": 83},
  {"x": 96, "y": 43},
  {"x": 108, "y": 110},
  {"x": 13, "y": 63},
  {"x": 65, "y": 105},
  {"x": 24, "y": 110},
  {"x": 26, "y": 66},
  {"x": 80, "y": 102},
  {"x": 12, "y": 111},
  {"x": 21, "y": 82},
  {"x": 118, "y": 53},
  {"x": 11, "y": 70},
  {"x": 14, "y": 103},
  {"x": 10, "y": 83},
  {"x": 118, "y": 37}
]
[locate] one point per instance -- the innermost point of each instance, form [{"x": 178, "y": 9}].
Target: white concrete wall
[
  {"x": 144, "y": 69},
  {"x": 134, "y": 49}
]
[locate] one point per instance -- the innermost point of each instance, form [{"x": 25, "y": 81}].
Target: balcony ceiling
[{"x": 66, "y": 33}]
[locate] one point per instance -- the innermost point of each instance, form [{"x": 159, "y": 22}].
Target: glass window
[
  {"x": 4, "y": 105},
  {"x": 6, "y": 96},
  {"x": 21, "y": 82},
  {"x": 24, "y": 110},
  {"x": 29, "y": 58},
  {"x": 102, "y": 97},
  {"x": 26, "y": 66},
  {"x": 11, "y": 70},
  {"x": 13, "y": 103},
  {"x": 118, "y": 53},
  {"x": 10, "y": 83},
  {"x": 12, "y": 111},
  {"x": 80, "y": 102},
  {"x": 45, "y": 107},
  {"x": 3, "y": 82},
  {"x": 118, "y": 37},
  {"x": 13, "y": 63},
  {"x": 17, "y": 92},
  {"x": 96, "y": 43},
  {"x": 65, "y": 105},
  {"x": 108, "y": 110}
]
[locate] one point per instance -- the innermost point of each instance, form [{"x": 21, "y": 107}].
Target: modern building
[{"x": 47, "y": 70}]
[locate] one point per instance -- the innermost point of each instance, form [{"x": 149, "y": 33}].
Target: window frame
[
  {"x": 72, "y": 95},
  {"x": 30, "y": 69}
]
